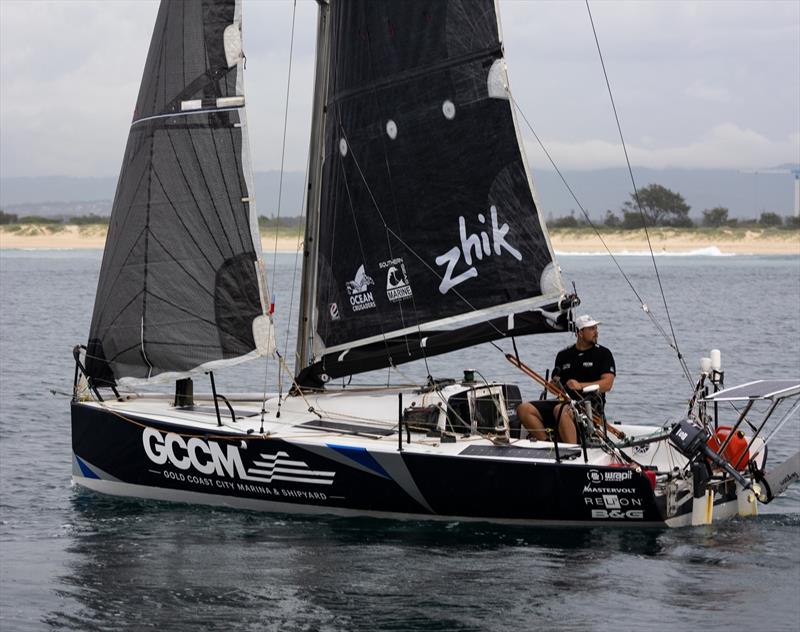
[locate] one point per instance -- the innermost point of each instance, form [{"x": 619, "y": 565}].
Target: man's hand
[{"x": 574, "y": 385}]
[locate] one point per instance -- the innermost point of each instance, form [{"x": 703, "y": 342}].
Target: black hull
[{"x": 138, "y": 457}]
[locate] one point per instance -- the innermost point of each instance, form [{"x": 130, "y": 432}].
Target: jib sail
[{"x": 181, "y": 284}]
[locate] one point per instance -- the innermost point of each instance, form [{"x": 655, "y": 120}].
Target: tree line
[
  {"x": 663, "y": 207},
  {"x": 102, "y": 220},
  {"x": 13, "y": 218},
  {"x": 659, "y": 205}
]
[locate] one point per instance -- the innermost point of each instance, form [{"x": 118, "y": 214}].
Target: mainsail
[
  {"x": 181, "y": 286},
  {"x": 427, "y": 221}
]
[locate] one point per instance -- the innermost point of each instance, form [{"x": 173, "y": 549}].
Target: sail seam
[
  {"x": 208, "y": 191},
  {"x": 183, "y": 268},
  {"x": 102, "y": 312},
  {"x": 122, "y": 310},
  {"x": 227, "y": 189},
  {"x": 182, "y": 223},
  {"x": 410, "y": 75},
  {"x": 179, "y": 163}
]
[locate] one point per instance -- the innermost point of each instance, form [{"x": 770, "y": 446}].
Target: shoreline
[
  {"x": 670, "y": 241},
  {"x": 664, "y": 241}
]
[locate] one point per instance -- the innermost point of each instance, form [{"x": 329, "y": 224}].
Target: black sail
[
  {"x": 427, "y": 218},
  {"x": 180, "y": 284}
]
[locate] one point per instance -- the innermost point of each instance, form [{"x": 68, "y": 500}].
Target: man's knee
[{"x": 526, "y": 409}]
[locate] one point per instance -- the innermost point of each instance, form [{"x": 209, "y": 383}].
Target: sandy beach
[
  {"x": 663, "y": 240},
  {"x": 727, "y": 241},
  {"x": 72, "y": 237}
]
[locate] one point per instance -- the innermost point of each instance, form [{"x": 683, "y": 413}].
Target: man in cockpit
[{"x": 581, "y": 365}]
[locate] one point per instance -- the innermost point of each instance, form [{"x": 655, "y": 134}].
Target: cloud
[
  {"x": 706, "y": 92},
  {"x": 724, "y": 146},
  {"x": 712, "y": 84}
]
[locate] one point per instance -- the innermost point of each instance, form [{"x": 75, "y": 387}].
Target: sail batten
[
  {"x": 427, "y": 219},
  {"x": 180, "y": 287}
]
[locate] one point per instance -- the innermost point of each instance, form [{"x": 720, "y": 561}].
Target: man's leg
[
  {"x": 531, "y": 418},
  {"x": 567, "y": 431}
]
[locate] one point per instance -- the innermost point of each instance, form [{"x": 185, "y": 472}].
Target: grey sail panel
[
  {"x": 179, "y": 286},
  {"x": 427, "y": 217}
]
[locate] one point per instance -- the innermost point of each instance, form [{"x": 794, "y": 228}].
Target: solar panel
[
  {"x": 519, "y": 453},
  {"x": 758, "y": 389}
]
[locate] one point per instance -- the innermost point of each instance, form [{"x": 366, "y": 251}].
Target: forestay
[
  {"x": 427, "y": 220},
  {"x": 181, "y": 283}
]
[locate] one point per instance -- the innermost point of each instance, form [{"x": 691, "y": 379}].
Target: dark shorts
[{"x": 547, "y": 409}]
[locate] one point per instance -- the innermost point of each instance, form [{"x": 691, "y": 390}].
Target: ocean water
[{"x": 73, "y": 560}]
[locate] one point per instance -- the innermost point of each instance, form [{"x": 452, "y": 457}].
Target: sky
[{"x": 705, "y": 84}]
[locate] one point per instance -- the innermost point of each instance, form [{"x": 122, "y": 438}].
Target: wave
[{"x": 711, "y": 251}]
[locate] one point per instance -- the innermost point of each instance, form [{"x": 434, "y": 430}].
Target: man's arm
[
  {"x": 606, "y": 383},
  {"x": 555, "y": 377}
]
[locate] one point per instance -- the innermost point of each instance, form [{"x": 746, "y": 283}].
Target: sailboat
[{"x": 423, "y": 237}]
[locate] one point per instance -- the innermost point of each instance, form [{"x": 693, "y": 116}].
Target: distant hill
[
  {"x": 746, "y": 195},
  {"x": 53, "y": 196}
]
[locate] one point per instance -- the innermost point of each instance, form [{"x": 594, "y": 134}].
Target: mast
[{"x": 305, "y": 322}]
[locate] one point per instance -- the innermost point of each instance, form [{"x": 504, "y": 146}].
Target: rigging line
[
  {"x": 357, "y": 231},
  {"x": 589, "y": 221},
  {"x": 374, "y": 91},
  {"x": 300, "y": 225},
  {"x": 389, "y": 230},
  {"x": 572, "y": 193},
  {"x": 636, "y": 195},
  {"x": 400, "y": 239},
  {"x": 280, "y": 198},
  {"x": 391, "y": 254},
  {"x": 338, "y": 119},
  {"x": 283, "y": 145}
]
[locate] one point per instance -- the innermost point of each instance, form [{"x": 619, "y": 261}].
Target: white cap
[{"x": 585, "y": 321}]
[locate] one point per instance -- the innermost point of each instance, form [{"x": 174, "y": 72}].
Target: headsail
[
  {"x": 427, "y": 221},
  {"x": 181, "y": 283}
]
